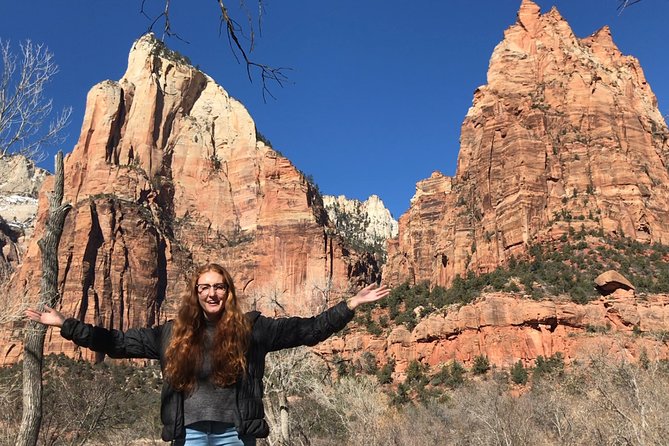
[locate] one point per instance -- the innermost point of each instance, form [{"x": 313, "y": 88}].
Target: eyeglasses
[{"x": 219, "y": 288}]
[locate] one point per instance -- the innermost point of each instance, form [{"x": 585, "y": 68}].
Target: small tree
[
  {"x": 452, "y": 375},
  {"x": 368, "y": 363},
  {"x": 457, "y": 375},
  {"x": 519, "y": 373},
  {"x": 553, "y": 365},
  {"x": 288, "y": 373},
  {"x": 416, "y": 374},
  {"x": 481, "y": 365},
  {"x": 385, "y": 373}
]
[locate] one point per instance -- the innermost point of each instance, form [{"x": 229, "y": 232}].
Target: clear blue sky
[{"x": 378, "y": 88}]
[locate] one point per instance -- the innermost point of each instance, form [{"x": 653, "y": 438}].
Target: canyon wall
[{"x": 169, "y": 173}]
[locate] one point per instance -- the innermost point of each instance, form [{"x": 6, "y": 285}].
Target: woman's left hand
[{"x": 370, "y": 293}]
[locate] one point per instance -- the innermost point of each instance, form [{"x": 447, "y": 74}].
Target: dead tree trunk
[
  {"x": 284, "y": 417},
  {"x": 33, "y": 345}
]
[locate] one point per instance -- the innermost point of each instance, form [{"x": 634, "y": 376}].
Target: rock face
[
  {"x": 566, "y": 132},
  {"x": 506, "y": 328},
  {"x": 167, "y": 174},
  {"x": 20, "y": 176},
  {"x": 366, "y": 223},
  {"x": 20, "y": 181}
]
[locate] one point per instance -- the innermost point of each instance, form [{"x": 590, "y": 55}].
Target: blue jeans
[{"x": 213, "y": 433}]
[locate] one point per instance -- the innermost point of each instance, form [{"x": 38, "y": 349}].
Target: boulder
[{"x": 610, "y": 281}]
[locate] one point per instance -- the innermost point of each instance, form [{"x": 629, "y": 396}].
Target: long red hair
[{"x": 185, "y": 352}]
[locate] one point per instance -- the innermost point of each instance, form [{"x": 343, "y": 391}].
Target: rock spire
[{"x": 566, "y": 133}]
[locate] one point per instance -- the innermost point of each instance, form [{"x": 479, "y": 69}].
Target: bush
[
  {"x": 416, "y": 374},
  {"x": 553, "y": 365},
  {"x": 401, "y": 396},
  {"x": 385, "y": 373},
  {"x": 368, "y": 363},
  {"x": 519, "y": 374},
  {"x": 481, "y": 365},
  {"x": 107, "y": 398},
  {"x": 452, "y": 375},
  {"x": 342, "y": 366}
]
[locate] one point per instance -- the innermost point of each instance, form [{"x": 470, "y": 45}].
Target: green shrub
[
  {"x": 519, "y": 374},
  {"x": 401, "y": 396},
  {"x": 342, "y": 366},
  {"x": 481, "y": 365},
  {"x": 452, "y": 375},
  {"x": 385, "y": 373},
  {"x": 368, "y": 363},
  {"x": 416, "y": 374},
  {"x": 553, "y": 365}
]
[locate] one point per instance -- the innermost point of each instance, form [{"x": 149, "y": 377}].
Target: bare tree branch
[
  {"x": 235, "y": 33},
  {"x": 24, "y": 109},
  {"x": 622, "y": 4},
  {"x": 167, "y": 26},
  {"x": 267, "y": 73}
]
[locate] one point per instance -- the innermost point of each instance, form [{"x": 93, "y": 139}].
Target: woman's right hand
[{"x": 47, "y": 317}]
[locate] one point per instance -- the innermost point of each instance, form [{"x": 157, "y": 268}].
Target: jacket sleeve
[
  {"x": 280, "y": 333},
  {"x": 133, "y": 343}
]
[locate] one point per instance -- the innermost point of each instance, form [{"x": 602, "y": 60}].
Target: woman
[{"x": 212, "y": 356}]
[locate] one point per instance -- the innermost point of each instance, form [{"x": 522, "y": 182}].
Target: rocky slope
[
  {"x": 507, "y": 328},
  {"x": 567, "y": 132},
  {"x": 168, "y": 173}
]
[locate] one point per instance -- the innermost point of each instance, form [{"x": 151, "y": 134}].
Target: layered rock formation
[
  {"x": 168, "y": 173},
  {"x": 363, "y": 223},
  {"x": 566, "y": 132},
  {"x": 20, "y": 181},
  {"x": 508, "y": 328}
]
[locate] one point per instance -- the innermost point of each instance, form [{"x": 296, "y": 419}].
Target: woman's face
[{"x": 212, "y": 292}]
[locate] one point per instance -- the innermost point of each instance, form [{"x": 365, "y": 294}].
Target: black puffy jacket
[{"x": 267, "y": 335}]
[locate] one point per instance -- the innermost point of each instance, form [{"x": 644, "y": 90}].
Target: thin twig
[
  {"x": 235, "y": 34},
  {"x": 622, "y": 4}
]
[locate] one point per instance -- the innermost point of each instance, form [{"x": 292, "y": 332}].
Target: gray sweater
[{"x": 209, "y": 402}]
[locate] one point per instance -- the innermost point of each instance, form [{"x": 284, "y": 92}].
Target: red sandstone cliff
[
  {"x": 168, "y": 173},
  {"x": 566, "y": 128}
]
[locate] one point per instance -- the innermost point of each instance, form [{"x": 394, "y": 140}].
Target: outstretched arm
[
  {"x": 277, "y": 334},
  {"x": 371, "y": 293},
  {"x": 133, "y": 343},
  {"x": 48, "y": 317}
]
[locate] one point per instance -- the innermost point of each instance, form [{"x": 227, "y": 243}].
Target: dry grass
[{"x": 601, "y": 403}]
